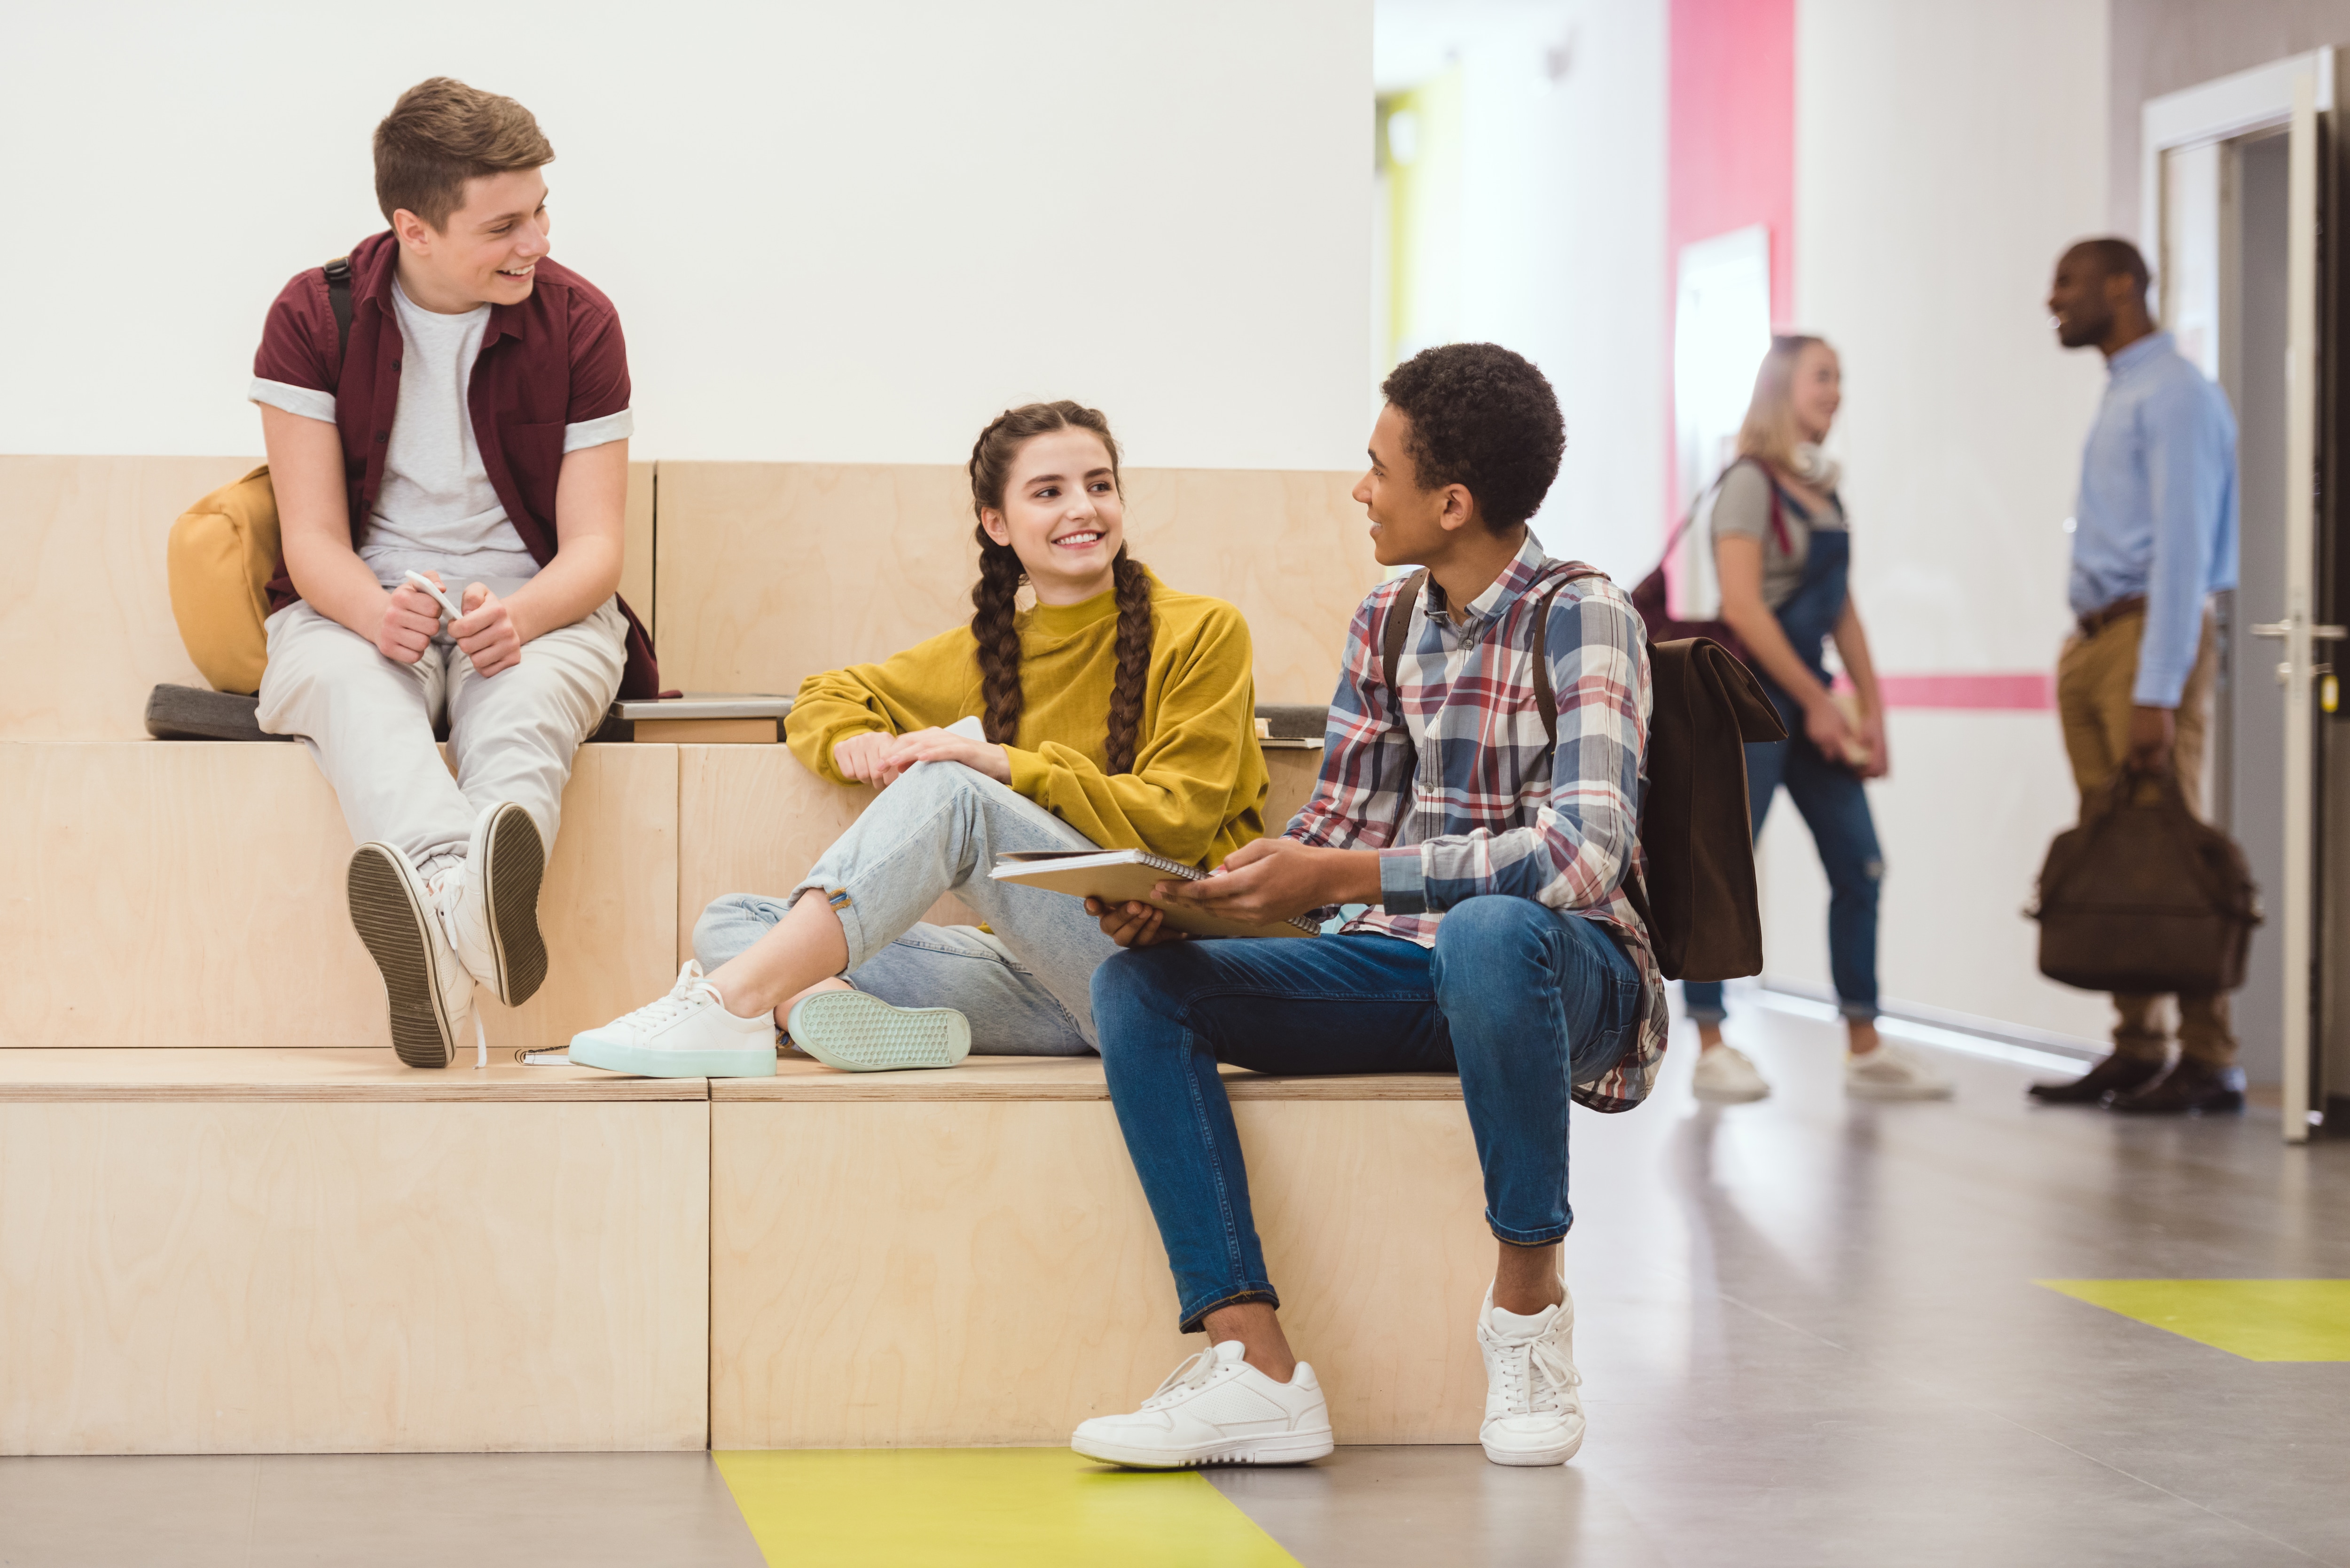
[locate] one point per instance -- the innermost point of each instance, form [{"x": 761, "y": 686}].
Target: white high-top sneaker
[
  {"x": 688, "y": 1033},
  {"x": 489, "y": 905},
  {"x": 1533, "y": 1414},
  {"x": 1215, "y": 1410},
  {"x": 428, "y": 989}
]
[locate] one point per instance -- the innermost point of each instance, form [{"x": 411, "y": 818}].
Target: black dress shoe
[
  {"x": 2117, "y": 1075},
  {"x": 2191, "y": 1089}
]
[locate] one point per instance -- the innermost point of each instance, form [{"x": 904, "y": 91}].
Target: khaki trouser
[
  {"x": 369, "y": 723},
  {"x": 2093, "y": 676}
]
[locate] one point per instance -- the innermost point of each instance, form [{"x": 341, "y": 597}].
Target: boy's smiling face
[
  {"x": 489, "y": 250},
  {"x": 1410, "y": 525}
]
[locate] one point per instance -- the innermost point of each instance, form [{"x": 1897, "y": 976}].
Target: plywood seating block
[
  {"x": 966, "y": 1257},
  {"x": 307, "y": 1252},
  {"x": 772, "y": 572},
  {"x": 86, "y": 621},
  {"x": 191, "y": 894}
]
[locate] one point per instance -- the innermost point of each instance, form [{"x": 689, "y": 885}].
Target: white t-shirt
[{"x": 436, "y": 509}]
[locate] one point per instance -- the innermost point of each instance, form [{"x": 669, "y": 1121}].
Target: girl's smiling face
[{"x": 1062, "y": 515}]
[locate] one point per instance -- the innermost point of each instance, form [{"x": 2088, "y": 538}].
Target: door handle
[{"x": 2284, "y": 628}]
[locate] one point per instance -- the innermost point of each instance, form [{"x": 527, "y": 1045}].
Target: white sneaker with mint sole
[
  {"x": 688, "y": 1033},
  {"x": 861, "y": 1034},
  {"x": 1533, "y": 1415},
  {"x": 1215, "y": 1410}
]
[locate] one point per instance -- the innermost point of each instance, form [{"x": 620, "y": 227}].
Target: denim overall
[{"x": 1828, "y": 794}]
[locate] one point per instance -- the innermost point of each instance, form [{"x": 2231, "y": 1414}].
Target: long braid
[
  {"x": 1134, "y": 636},
  {"x": 992, "y": 625}
]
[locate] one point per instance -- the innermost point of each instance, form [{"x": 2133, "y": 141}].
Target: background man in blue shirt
[{"x": 2154, "y": 537}]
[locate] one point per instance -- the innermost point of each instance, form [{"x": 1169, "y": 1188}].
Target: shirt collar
[
  {"x": 2153, "y": 346},
  {"x": 1519, "y": 574}
]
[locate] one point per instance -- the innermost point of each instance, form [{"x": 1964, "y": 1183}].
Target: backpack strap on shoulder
[
  {"x": 1778, "y": 516},
  {"x": 1396, "y": 626},
  {"x": 1544, "y": 696},
  {"x": 339, "y": 296}
]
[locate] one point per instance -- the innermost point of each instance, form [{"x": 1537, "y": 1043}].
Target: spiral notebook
[{"x": 1126, "y": 877}]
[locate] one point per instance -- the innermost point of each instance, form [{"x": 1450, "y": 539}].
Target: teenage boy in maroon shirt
[{"x": 470, "y": 426}]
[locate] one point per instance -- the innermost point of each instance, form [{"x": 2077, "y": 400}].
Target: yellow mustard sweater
[{"x": 1197, "y": 788}]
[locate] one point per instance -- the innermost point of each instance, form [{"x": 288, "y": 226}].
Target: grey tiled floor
[{"x": 1808, "y": 1331}]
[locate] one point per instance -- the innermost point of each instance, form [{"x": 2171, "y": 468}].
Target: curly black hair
[{"x": 1484, "y": 418}]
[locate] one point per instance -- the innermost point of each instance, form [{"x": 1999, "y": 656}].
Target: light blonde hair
[{"x": 1770, "y": 430}]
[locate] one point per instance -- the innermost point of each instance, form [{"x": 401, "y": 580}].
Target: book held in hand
[{"x": 1126, "y": 877}]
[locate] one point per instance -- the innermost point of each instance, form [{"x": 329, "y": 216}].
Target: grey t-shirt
[{"x": 1744, "y": 507}]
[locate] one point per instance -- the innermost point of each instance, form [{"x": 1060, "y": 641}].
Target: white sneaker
[
  {"x": 427, "y": 986},
  {"x": 688, "y": 1033},
  {"x": 1893, "y": 1073},
  {"x": 1727, "y": 1076},
  {"x": 489, "y": 905},
  {"x": 1533, "y": 1414},
  {"x": 1215, "y": 1410},
  {"x": 861, "y": 1034}
]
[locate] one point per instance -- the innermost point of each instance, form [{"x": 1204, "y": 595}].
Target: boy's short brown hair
[{"x": 442, "y": 133}]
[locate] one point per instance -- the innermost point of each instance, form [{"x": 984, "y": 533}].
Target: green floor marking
[
  {"x": 975, "y": 1508},
  {"x": 2260, "y": 1320}
]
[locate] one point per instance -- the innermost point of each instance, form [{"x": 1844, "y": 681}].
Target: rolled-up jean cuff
[
  {"x": 1859, "y": 1011},
  {"x": 1194, "y": 1319},
  {"x": 852, "y": 925},
  {"x": 1705, "y": 1014},
  {"x": 1542, "y": 1238}
]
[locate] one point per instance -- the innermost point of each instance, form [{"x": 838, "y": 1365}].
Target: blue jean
[
  {"x": 1521, "y": 1000},
  {"x": 1835, "y": 808},
  {"x": 1021, "y": 982}
]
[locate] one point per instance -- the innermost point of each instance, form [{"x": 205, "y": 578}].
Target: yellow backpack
[{"x": 224, "y": 549}]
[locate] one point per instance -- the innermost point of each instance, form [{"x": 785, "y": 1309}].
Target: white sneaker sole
[
  {"x": 859, "y": 1033},
  {"x": 390, "y": 912},
  {"x": 1727, "y": 1096},
  {"x": 511, "y": 863},
  {"x": 1550, "y": 1454},
  {"x": 1866, "y": 1091},
  {"x": 1281, "y": 1448}
]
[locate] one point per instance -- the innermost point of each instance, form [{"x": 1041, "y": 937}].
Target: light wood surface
[
  {"x": 329, "y": 1075},
  {"x": 189, "y": 1279},
  {"x": 772, "y": 572},
  {"x": 1060, "y": 1079},
  {"x": 708, "y": 731},
  {"x": 922, "y": 1274},
  {"x": 86, "y": 627},
  {"x": 1292, "y": 775},
  {"x": 191, "y": 894}
]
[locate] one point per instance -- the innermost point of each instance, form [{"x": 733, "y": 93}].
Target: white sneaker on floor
[
  {"x": 688, "y": 1033},
  {"x": 1215, "y": 1410},
  {"x": 426, "y": 985},
  {"x": 861, "y": 1034},
  {"x": 1726, "y": 1076},
  {"x": 1893, "y": 1073},
  {"x": 489, "y": 904},
  {"x": 1533, "y": 1415}
]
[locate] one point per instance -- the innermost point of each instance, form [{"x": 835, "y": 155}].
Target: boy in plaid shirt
[{"x": 1482, "y": 871}]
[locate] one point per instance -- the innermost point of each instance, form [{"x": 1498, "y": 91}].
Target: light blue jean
[
  {"x": 1025, "y": 982},
  {"x": 1523, "y": 1002}
]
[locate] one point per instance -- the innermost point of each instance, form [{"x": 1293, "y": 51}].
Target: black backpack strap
[
  {"x": 339, "y": 296},
  {"x": 1393, "y": 629}
]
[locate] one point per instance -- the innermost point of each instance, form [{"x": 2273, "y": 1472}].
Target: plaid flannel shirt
[{"x": 1491, "y": 809}]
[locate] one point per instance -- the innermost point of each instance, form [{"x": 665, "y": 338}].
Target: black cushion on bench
[{"x": 193, "y": 714}]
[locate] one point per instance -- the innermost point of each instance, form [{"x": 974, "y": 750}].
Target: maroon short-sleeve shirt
[{"x": 557, "y": 359}]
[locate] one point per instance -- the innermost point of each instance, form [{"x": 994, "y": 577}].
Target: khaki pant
[{"x": 2093, "y": 676}]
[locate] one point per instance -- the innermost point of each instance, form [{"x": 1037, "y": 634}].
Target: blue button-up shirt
[{"x": 2157, "y": 513}]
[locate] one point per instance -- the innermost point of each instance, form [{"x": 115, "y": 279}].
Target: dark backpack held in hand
[
  {"x": 1697, "y": 896},
  {"x": 2145, "y": 898}
]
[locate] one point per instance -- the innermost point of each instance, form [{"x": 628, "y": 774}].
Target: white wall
[
  {"x": 1563, "y": 233},
  {"x": 1945, "y": 155},
  {"x": 840, "y": 233}
]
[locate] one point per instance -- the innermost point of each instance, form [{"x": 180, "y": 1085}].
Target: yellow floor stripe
[
  {"x": 2260, "y": 1320},
  {"x": 976, "y": 1508}
]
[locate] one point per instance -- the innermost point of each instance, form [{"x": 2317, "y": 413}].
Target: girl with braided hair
[{"x": 1114, "y": 712}]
